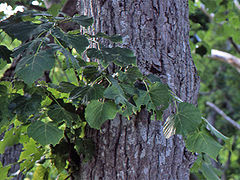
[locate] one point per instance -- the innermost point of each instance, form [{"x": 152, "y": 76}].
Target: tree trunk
[{"x": 157, "y": 31}]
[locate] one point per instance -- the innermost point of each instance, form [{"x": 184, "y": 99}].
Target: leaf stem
[{"x": 146, "y": 85}]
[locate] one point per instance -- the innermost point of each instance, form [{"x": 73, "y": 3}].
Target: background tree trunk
[{"x": 158, "y": 33}]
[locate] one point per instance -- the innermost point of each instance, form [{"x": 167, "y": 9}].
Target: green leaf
[
  {"x": 94, "y": 53},
  {"x": 79, "y": 42},
  {"x": 116, "y": 93},
  {"x": 130, "y": 75},
  {"x": 83, "y": 20},
  {"x": 156, "y": 96},
  {"x": 58, "y": 114},
  {"x": 25, "y": 106},
  {"x": 215, "y": 131},
  {"x": 5, "y": 53},
  {"x": 30, "y": 68},
  {"x": 4, "y": 170},
  {"x": 153, "y": 78},
  {"x": 3, "y": 90},
  {"x": 11, "y": 137},
  {"x": 87, "y": 93},
  {"x": 90, "y": 73},
  {"x": 40, "y": 173},
  {"x": 60, "y": 154},
  {"x": 2, "y": 64},
  {"x": 201, "y": 141},
  {"x": 5, "y": 115},
  {"x": 86, "y": 147},
  {"x": 187, "y": 119},
  {"x": 120, "y": 56},
  {"x": 113, "y": 38},
  {"x": 97, "y": 113},
  {"x": 44, "y": 133},
  {"x": 64, "y": 87},
  {"x": 20, "y": 30},
  {"x": 30, "y": 154},
  {"x": 209, "y": 172},
  {"x": 56, "y": 7},
  {"x": 69, "y": 56}
]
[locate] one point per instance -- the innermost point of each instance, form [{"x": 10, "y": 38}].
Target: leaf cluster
[{"x": 90, "y": 84}]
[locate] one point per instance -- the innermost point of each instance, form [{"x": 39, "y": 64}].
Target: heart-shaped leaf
[
  {"x": 44, "y": 133},
  {"x": 97, "y": 113}
]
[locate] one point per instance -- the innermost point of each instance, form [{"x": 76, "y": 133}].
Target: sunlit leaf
[
  {"x": 40, "y": 173},
  {"x": 4, "y": 170},
  {"x": 11, "y": 137},
  {"x": 168, "y": 127},
  {"x": 30, "y": 154}
]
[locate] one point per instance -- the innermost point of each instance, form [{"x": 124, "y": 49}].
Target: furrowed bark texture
[{"x": 157, "y": 31}]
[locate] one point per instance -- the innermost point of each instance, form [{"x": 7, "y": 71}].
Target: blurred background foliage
[{"x": 215, "y": 25}]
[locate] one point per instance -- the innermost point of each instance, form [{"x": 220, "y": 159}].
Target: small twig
[
  {"x": 237, "y": 47},
  {"x": 220, "y": 112}
]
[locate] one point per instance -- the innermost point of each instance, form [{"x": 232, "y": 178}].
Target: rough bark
[{"x": 158, "y": 33}]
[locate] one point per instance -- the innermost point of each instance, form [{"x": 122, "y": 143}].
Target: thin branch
[
  {"x": 220, "y": 112},
  {"x": 237, "y": 47},
  {"x": 226, "y": 57}
]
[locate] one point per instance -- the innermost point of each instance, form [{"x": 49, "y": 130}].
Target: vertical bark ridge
[{"x": 157, "y": 31}]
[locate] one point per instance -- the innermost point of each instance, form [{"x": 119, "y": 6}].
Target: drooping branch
[
  {"x": 226, "y": 57},
  {"x": 220, "y": 112}
]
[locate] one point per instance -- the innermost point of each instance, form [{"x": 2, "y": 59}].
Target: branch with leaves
[{"x": 52, "y": 116}]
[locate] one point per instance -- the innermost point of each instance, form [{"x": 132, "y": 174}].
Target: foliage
[
  {"x": 50, "y": 118},
  {"x": 215, "y": 25}
]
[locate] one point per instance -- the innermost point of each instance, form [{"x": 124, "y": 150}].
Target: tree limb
[
  {"x": 220, "y": 112},
  {"x": 226, "y": 57}
]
